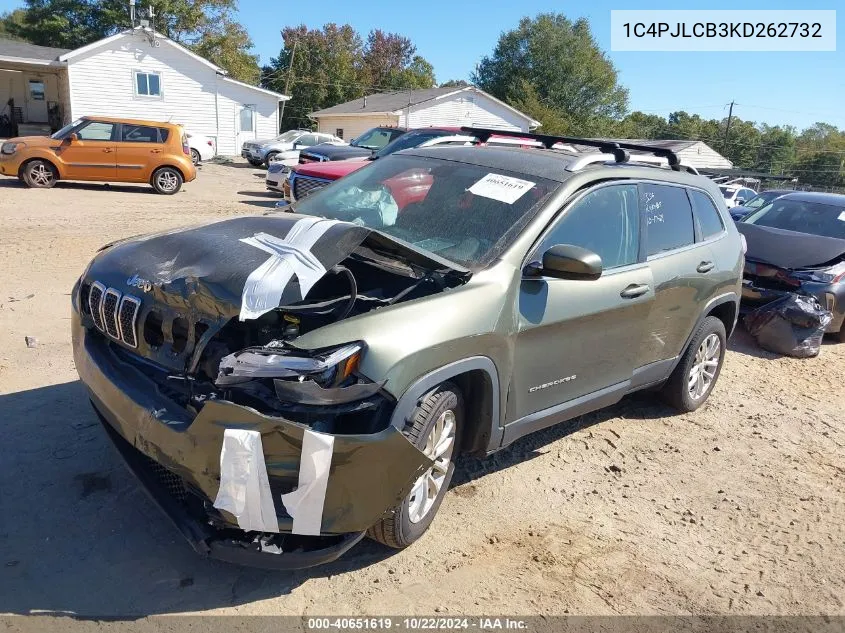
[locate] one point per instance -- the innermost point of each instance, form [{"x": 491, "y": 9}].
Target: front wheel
[
  {"x": 39, "y": 174},
  {"x": 167, "y": 180},
  {"x": 255, "y": 163},
  {"x": 434, "y": 429},
  {"x": 695, "y": 376},
  {"x": 269, "y": 158}
]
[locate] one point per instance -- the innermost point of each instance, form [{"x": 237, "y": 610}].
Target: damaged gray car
[{"x": 284, "y": 385}]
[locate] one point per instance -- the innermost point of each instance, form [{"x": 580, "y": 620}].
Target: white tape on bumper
[
  {"x": 244, "y": 487},
  {"x": 305, "y": 504},
  {"x": 291, "y": 255}
]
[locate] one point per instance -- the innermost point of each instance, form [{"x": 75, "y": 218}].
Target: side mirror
[
  {"x": 72, "y": 137},
  {"x": 740, "y": 202},
  {"x": 566, "y": 261}
]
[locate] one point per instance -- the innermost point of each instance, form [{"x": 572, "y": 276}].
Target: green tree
[
  {"x": 320, "y": 68},
  {"x": 563, "y": 62},
  {"x": 455, "y": 83},
  {"x": 196, "y": 24}
]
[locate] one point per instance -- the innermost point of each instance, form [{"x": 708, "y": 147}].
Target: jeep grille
[{"x": 113, "y": 313}]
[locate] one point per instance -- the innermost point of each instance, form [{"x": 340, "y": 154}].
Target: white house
[
  {"x": 448, "y": 107},
  {"x": 696, "y": 154},
  {"x": 135, "y": 74}
]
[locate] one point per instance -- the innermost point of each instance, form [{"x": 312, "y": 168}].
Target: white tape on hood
[
  {"x": 292, "y": 255},
  {"x": 305, "y": 504},
  {"x": 244, "y": 487}
]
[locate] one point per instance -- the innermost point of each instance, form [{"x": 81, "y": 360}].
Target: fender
[
  {"x": 409, "y": 401},
  {"x": 728, "y": 297}
]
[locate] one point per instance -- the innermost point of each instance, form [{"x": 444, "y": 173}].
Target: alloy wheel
[
  {"x": 439, "y": 447},
  {"x": 167, "y": 180},
  {"x": 41, "y": 174},
  {"x": 703, "y": 370}
]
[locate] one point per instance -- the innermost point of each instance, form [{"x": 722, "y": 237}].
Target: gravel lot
[{"x": 737, "y": 508}]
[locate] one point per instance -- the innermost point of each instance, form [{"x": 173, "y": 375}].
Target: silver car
[{"x": 262, "y": 152}]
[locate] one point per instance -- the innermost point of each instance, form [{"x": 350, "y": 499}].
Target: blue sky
[{"x": 787, "y": 88}]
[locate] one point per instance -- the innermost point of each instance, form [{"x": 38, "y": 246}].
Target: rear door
[
  {"x": 680, "y": 267},
  {"x": 91, "y": 156},
  {"x": 139, "y": 152},
  {"x": 577, "y": 337}
]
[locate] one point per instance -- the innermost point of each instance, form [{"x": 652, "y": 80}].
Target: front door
[
  {"x": 36, "y": 100},
  {"x": 580, "y": 337},
  {"x": 91, "y": 155},
  {"x": 245, "y": 126}
]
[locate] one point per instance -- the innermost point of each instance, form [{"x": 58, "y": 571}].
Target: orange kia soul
[{"x": 103, "y": 149}]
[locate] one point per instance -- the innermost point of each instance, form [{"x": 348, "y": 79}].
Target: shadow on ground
[
  {"x": 140, "y": 188},
  {"x": 79, "y": 536}
]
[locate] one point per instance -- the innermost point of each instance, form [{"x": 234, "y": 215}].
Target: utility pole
[
  {"x": 287, "y": 82},
  {"x": 728, "y": 128}
]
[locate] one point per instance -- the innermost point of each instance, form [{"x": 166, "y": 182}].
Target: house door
[
  {"x": 36, "y": 100},
  {"x": 245, "y": 126}
]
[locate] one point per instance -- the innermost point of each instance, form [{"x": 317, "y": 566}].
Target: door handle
[
  {"x": 705, "y": 267},
  {"x": 107, "y": 150},
  {"x": 634, "y": 290},
  {"x": 155, "y": 151}
]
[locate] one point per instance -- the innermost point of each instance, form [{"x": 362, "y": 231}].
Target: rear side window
[
  {"x": 668, "y": 217},
  {"x": 605, "y": 221},
  {"x": 164, "y": 133},
  {"x": 139, "y": 134},
  {"x": 706, "y": 216}
]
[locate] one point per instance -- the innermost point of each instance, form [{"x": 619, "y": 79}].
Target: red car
[{"x": 309, "y": 177}]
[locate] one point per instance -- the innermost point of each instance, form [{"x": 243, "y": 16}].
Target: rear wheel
[
  {"x": 695, "y": 376},
  {"x": 39, "y": 174},
  {"x": 167, "y": 180},
  {"x": 195, "y": 157},
  {"x": 434, "y": 429}
]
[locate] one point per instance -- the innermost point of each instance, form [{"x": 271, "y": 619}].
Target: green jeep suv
[{"x": 284, "y": 385}]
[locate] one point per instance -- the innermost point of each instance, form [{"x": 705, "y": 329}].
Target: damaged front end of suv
[{"x": 188, "y": 344}]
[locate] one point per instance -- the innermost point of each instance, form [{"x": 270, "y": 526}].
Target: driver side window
[{"x": 605, "y": 221}]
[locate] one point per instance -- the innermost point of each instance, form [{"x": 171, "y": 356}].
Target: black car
[
  {"x": 796, "y": 244},
  {"x": 760, "y": 200},
  {"x": 365, "y": 145}
]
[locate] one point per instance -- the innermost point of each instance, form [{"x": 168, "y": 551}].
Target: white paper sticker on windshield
[
  {"x": 842, "y": 216},
  {"x": 501, "y": 188}
]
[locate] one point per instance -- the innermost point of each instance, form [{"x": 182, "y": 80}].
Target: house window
[
  {"x": 36, "y": 90},
  {"x": 339, "y": 132},
  {"x": 147, "y": 84},
  {"x": 247, "y": 119}
]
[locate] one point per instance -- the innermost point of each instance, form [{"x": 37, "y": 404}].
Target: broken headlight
[
  {"x": 327, "y": 368},
  {"x": 829, "y": 276}
]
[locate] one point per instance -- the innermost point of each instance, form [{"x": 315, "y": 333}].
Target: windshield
[
  {"x": 802, "y": 217},
  {"x": 406, "y": 141},
  {"x": 762, "y": 199},
  {"x": 66, "y": 129},
  {"x": 290, "y": 135},
  {"x": 464, "y": 213},
  {"x": 375, "y": 138}
]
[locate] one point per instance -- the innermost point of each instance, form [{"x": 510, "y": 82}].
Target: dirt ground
[{"x": 737, "y": 508}]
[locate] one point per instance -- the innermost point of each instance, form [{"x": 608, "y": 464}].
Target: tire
[
  {"x": 39, "y": 174},
  {"x": 166, "y": 180},
  {"x": 840, "y": 335},
  {"x": 196, "y": 159},
  {"x": 677, "y": 391},
  {"x": 269, "y": 158},
  {"x": 255, "y": 163},
  {"x": 407, "y": 522}
]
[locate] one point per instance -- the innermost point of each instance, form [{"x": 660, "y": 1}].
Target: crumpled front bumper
[{"x": 369, "y": 473}]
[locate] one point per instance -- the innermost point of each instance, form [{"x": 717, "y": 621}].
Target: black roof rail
[{"x": 617, "y": 148}]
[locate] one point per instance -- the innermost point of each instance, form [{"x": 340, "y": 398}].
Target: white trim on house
[
  {"x": 26, "y": 60},
  {"x": 256, "y": 88}
]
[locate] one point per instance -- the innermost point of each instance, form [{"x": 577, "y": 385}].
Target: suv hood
[
  {"x": 243, "y": 267},
  {"x": 789, "y": 249},
  {"x": 32, "y": 141},
  {"x": 338, "y": 152}
]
